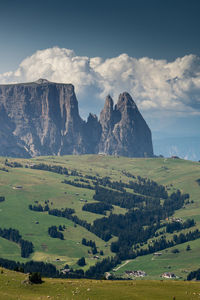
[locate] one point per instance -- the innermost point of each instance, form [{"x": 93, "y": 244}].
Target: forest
[
  {"x": 142, "y": 221},
  {"x": 148, "y": 205}
]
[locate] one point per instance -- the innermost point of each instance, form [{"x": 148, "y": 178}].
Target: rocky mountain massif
[{"x": 42, "y": 118}]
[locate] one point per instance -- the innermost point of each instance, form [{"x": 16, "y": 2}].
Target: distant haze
[{"x": 184, "y": 147}]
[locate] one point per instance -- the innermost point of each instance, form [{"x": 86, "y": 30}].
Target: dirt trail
[{"x": 116, "y": 269}]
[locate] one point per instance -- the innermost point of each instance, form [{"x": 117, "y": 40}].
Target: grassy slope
[
  {"x": 11, "y": 287},
  {"x": 40, "y": 185},
  {"x": 180, "y": 263}
]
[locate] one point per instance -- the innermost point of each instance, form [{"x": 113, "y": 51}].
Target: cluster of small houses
[
  {"x": 140, "y": 273},
  {"x": 131, "y": 274}
]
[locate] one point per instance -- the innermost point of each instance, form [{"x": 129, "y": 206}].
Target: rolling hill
[{"x": 23, "y": 184}]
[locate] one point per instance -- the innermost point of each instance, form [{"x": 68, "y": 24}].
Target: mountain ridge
[{"x": 42, "y": 118}]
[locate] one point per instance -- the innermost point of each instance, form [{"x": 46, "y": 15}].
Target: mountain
[
  {"x": 42, "y": 118},
  {"x": 124, "y": 131}
]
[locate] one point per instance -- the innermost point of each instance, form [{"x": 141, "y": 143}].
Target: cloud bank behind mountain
[{"x": 156, "y": 85}]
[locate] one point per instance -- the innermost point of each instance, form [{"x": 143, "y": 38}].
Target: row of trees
[
  {"x": 13, "y": 164},
  {"x": 54, "y": 233},
  {"x": 163, "y": 243},
  {"x": 4, "y": 170},
  {"x": 129, "y": 227},
  {"x": 54, "y": 168},
  {"x": 128, "y": 174},
  {"x": 139, "y": 224},
  {"x": 65, "y": 213},
  {"x": 97, "y": 207},
  {"x": 38, "y": 207},
  {"x": 78, "y": 184},
  {"x": 14, "y": 236},
  {"x": 125, "y": 200},
  {"x": 148, "y": 187},
  {"x": 177, "y": 226},
  {"x": 106, "y": 264},
  {"x": 194, "y": 275},
  {"x": 91, "y": 244},
  {"x": 105, "y": 181},
  {"x": 142, "y": 186},
  {"x": 126, "y": 252},
  {"x": 101, "y": 267},
  {"x": 45, "y": 269}
]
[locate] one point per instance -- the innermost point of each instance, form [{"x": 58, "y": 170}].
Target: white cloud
[{"x": 172, "y": 87}]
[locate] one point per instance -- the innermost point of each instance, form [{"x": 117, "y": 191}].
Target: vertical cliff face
[
  {"x": 42, "y": 118},
  {"x": 124, "y": 131},
  {"x": 107, "y": 121}
]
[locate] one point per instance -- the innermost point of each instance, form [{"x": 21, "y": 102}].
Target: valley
[{"x": 24, "y": 186}]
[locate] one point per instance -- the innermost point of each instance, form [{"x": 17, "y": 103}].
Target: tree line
[
  {"x": 54, "y": 233},
  {"x": 78, "y": 184},
  {"x": 39, "y": 207},
  {"x": 177, "y": 226},
  {"x": 4, "y": 169},
  {"x": 97, "y": 271},
  {"x": 125, "y": 199},
  {"x": 14, "y": 236},
  {"x": 97, "y": 208},
  {"x": 129, "y": 228},
  {"x": 49, "y": 168},
  {"x": 91, "y": 244},
  {"x": 142, "y": 220},
  {"x": 194, "y": 275},
  {"x": 13, "y": 164}
]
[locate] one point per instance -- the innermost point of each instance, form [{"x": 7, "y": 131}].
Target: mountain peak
[
  {"x": 109, "y": 102},
  {"x": 43, "y": 119},
  {"x": 92, "y": 117},
  {"x": 125, "y": 100}
]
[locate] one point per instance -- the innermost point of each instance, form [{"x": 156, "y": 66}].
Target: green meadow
[
  {"x": 12, "y": 287},
  {"x": 38, "y": 185},
  {"x": 180, "y": 263}
]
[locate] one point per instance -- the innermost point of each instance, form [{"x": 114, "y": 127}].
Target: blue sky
[
  {"x": 152, "y": 28},
  {"x": 150, "y": 48}
]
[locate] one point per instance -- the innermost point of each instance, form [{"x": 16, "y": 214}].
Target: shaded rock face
[
  {"x": 124, "y": 131},
  {"x": 42, "y": 118}
]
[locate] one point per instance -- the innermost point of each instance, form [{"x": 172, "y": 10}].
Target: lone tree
[
  {"x": 35, "y": 277},
  {"x": 188, "y": 248},
  {"x": 81, "y": 262}
]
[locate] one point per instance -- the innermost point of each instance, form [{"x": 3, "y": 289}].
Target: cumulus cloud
[{"x": 155, "y": 85}]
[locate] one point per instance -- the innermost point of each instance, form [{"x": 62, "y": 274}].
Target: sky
[{"x": 150, "y": 48}]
